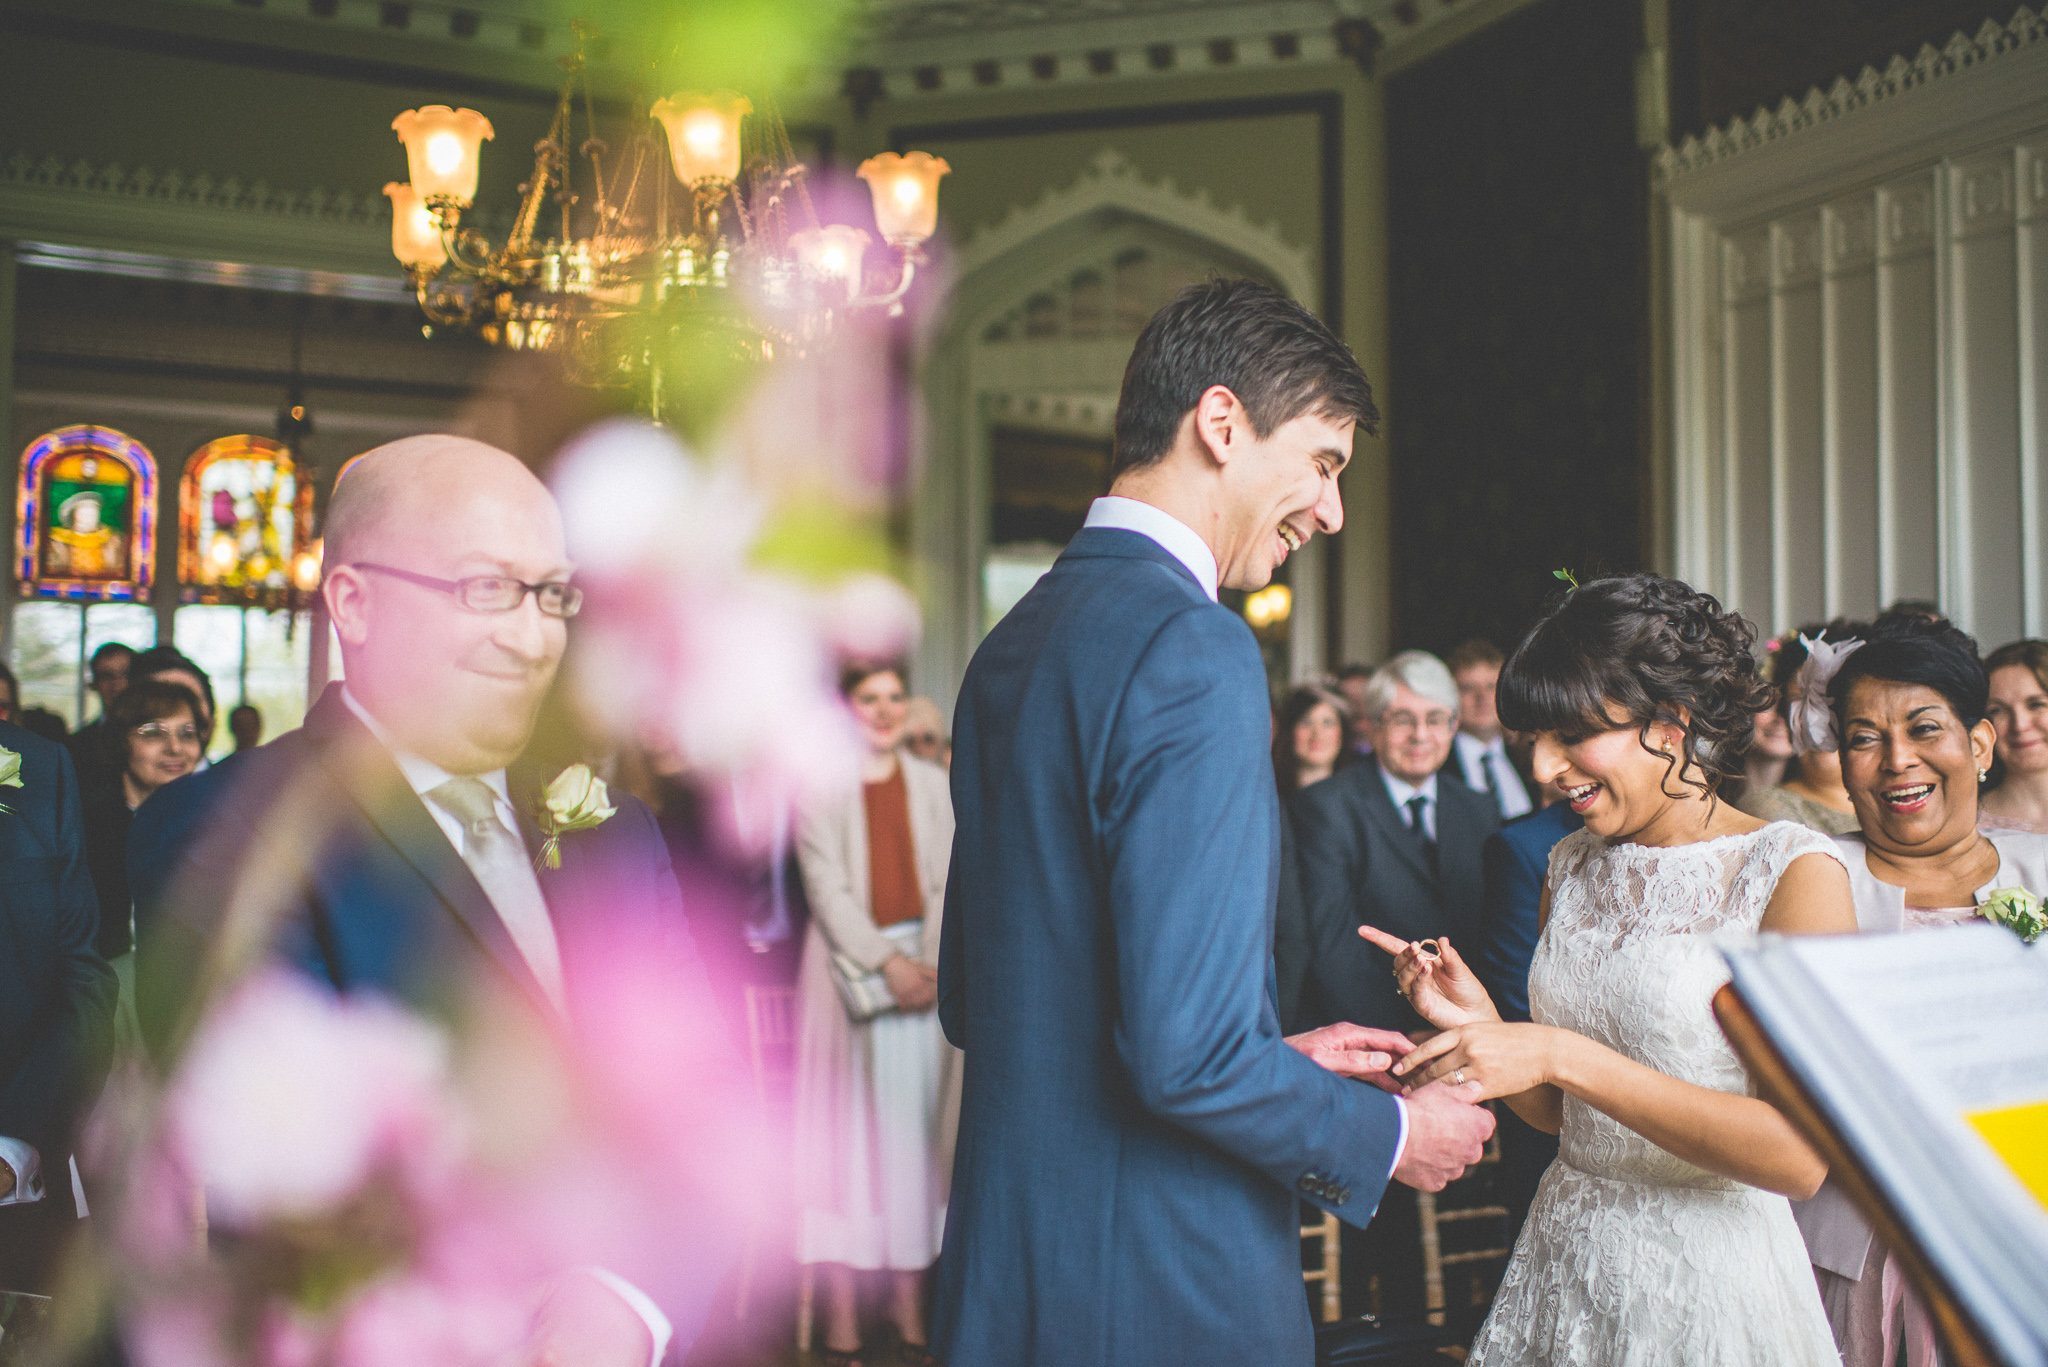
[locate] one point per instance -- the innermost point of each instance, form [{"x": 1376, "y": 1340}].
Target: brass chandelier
[{"x": 601, "y": 245}]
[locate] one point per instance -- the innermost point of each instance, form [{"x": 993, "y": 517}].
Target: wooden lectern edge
[{"x": 1963, "y": 1343}]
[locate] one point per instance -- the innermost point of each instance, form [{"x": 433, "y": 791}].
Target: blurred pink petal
[
  {"x": 871, "y": 617},
  {"x": 289, "y": 1097}
]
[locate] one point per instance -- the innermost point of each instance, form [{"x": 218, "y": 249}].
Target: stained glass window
[
  {"x": 243, "y": 515},
  {"x": 85, "y": 517}
]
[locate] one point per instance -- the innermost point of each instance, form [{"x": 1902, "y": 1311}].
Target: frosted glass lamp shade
[
  {"x": 906, "y": 193},
  {"x": 832, "y": 254},
  {"x": 703, "y": 134},
  {"x": 415, "y": 237},
  {"x": 443, "y": 148}
]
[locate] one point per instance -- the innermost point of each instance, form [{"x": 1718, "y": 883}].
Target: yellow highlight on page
[{"x": 2019, "y": 1135}]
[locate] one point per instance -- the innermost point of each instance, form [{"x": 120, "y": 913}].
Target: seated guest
[
  {"x": 1351, "y": 682},
  {"x": 1516, "y": 860},
  {"x": 447, "y": 581},
  {"x": 1310, "y": 740},
  {"x": 1811, "y": 794},
  {"x": 10, "y": 695},
  {"x": 56, "y": 1006},
  {"x": 924, "y": 732},
  {"x": 170, "y": 663},
  {"x": 109, "y": 675},
  {"x": 1770, "y": 751},
  {"x": 1909, "y": 708},
  {"x": 877, "y": 1099},
  {"x": 2019, "y": 711},
  {"x": 43, "y": 722},
  {"x": 152, "y": 732},
  {"x": 1387, "y": 838},
  {"x": 245, "y": 724},
  {"x": 1479, "y": 754}
]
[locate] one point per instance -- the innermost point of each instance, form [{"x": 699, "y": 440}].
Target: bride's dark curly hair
[{"x": 1637, "y": 650}]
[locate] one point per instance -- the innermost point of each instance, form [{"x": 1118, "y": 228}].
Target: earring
[{"x": 1983, "y": 775}]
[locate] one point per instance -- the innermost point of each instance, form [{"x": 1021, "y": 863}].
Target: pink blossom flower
[{"x": 289, "y": 1098}]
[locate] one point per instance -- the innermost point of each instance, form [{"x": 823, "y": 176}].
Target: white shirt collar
[
  {"x": 1400, "y": 790},
  {"x": 1173, "y": 535},
  {"x": 422, "y": 774}
]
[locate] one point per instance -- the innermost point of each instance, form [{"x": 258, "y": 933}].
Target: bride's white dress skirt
[{"x": 1632, "y": 1257}]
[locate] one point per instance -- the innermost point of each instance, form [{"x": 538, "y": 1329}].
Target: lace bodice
[{"x": 1630, "y": 957}]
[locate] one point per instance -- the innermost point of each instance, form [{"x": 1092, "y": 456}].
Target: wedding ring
[
  {"x": 1458, "y": 1078},
  {"x": 1427, "y": 948}
]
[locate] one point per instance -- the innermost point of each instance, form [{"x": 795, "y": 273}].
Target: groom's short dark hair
[{"x": 1278, "y": 358}]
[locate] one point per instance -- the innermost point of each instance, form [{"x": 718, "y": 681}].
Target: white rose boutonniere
[
  {"x": 2018, "y": 910},
  {"x": 576, "y": 800},
  {"x": 10, "y": 773}
]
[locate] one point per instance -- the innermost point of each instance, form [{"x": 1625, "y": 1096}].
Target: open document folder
[{"x": 1918, "y": 1066}]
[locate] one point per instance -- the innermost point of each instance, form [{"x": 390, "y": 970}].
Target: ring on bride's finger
[{"x": 1458, "y": 1078}]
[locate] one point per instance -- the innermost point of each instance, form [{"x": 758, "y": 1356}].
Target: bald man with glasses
[{"x": 411, "y": 796}]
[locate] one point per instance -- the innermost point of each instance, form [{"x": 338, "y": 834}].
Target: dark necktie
[{"x": 1416, "y": 806}]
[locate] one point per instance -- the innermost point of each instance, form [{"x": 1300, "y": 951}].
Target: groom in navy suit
[
  {"x": 1135, "y": 1131},
  {"x": 389, "y": 844}
]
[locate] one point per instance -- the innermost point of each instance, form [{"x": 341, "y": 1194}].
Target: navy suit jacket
[
  {"x": 1134, "y": 1130},
  {"x": 1360, "y": 864},
  {"x": 382, "y": 901},
  {"x": 56, "y": 993},
  {"x": 1517, "y": 860}
]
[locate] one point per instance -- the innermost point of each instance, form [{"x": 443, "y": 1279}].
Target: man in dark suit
[
  {"x": 1390, "y": 844},
  {"x": 1134, "y": 1129},
  {"x": 56, "y": 1003},
  {"x": 389, "y": 844},
  {"x": 1517, "y": 865}
]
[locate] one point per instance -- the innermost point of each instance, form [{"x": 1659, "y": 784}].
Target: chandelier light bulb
[
  {"x": 832, "y": 255},
  {"x": 703, "y": 134},
  {"x": 415, "y": 236},
  {"x": 905, "y": 188},
  {"x": 443, "y": 150}
]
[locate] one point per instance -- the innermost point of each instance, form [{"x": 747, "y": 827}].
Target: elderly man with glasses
[
  {"x": 412, "y": 791},
  {"x": 1391, "y": 844}
]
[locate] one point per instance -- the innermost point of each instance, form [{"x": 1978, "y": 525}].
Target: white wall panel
[
  {"x": 2032, "y": 208},
  {"x": 1849, "y": 422},
  {"x": 1856, "y": 300},
  {"x": 1798, "y": 505},
  {"x": 1746, "y": 420},
  {"x": 1909, "y": 401},
  {"x": 1983, "y": 352}
]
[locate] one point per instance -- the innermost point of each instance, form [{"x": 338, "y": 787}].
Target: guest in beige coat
[{"x": 877, "y": 1101}]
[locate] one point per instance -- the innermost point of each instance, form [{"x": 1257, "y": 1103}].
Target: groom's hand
[
  {"x": 1446, "y": 1135},
  {"x": 1355, "y": 1051}
]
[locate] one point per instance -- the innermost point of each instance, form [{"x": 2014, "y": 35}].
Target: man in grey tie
[{"x": 403, "y": 812}]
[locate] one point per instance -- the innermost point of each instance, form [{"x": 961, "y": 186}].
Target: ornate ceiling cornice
[
  {"x": 2025, "y": 34},
  {"x": 901, "y": 49}
]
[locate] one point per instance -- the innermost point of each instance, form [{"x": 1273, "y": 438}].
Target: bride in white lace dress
[{"x": 1661, "y": 1236}]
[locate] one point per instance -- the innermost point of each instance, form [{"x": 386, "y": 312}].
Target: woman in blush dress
[
  {"x": 1661, "y": 1236},
  {"x": 1908, "y": 711},
  {"x": 877, "y": 1101}
]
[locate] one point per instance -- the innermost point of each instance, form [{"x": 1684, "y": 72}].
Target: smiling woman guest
[
  {"x": 1661, "y": 1233},
  {"x": 1909, "y": 709},
  {"x": 876, "y": 1095},
  {"x": 2019, "y": 711},
  {"x": 1310, "y": 739},
  {"x": 153, "y": 735}
]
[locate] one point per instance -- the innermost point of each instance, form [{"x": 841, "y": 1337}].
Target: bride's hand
[{"x": 1441, "y": 988}]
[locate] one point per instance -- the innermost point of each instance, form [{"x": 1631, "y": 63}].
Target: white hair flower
[{"x": 1810, "y": 716}]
